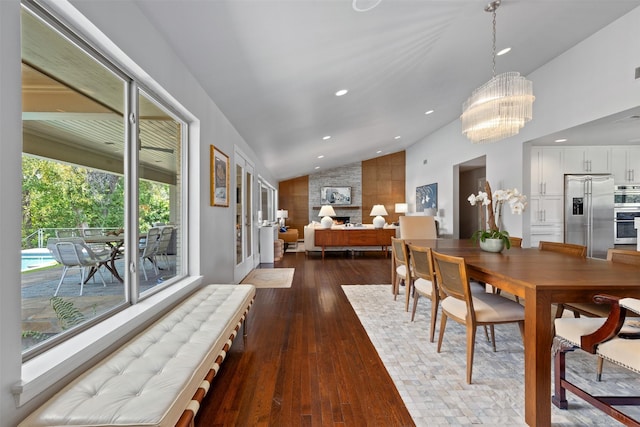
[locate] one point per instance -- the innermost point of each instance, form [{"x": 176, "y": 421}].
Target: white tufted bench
[
  {"x": 155, "y": 379},
  {"x": 601, "y": 336}
]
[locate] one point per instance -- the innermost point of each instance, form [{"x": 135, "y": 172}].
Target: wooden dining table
[{"x": 540, "y": 278}]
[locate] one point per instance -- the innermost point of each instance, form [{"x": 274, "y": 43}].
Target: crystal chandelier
[{"x": 499, "y": 108}]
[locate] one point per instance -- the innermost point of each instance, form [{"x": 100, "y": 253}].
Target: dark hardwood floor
[{"x": 307, "y": 360}]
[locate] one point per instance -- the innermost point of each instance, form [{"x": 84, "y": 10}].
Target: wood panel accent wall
[
  {"x": 293, "y": 195},
  {"x": 383, "y": 182}
]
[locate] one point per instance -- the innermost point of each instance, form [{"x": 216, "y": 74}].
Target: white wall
[
  {"x": 135, "y": 43},
  {"x": 592, "y": 80}
]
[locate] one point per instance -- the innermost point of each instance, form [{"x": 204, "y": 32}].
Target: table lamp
[
  {"x": 378, "y": 211},
  {"x": 402, "y": 208},
  {"x": 326, "y": 212},
  {"x": 282, "y": 214}
]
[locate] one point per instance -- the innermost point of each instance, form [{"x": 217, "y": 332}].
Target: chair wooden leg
[
  {"x": 415, "y": 305},
  {"x": 408, "y": 285},
  {"x": 443, "y": 324},
  {"x": 493, "y": 337},
  {"x": 559, "y": 397},
  {"x": 559, "y": 311},
  {"x": 434, "y": 315},
  {"x": 521, "y": 327},
  {"x": 599, "y": 369},
  {"x": 471, "y": 340}
]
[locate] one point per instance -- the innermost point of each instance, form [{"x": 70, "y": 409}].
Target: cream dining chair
[
  {"x": 418, "y": 227},
  {"x": 470, "y": 309},
  {"x": 424, "y": 283},
  {"x": 402, "y": 270}
]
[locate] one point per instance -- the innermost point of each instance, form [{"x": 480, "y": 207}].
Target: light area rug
[
  {"x": 270, "y": 277},
  {"x": 433, "y": 385},
  {"x": 299, "y": 247}
]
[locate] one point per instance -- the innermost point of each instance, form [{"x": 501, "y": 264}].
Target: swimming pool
[{"x": 33, "y": 258}]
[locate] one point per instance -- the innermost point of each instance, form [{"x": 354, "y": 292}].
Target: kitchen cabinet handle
[{"x": 545, "y": 188}]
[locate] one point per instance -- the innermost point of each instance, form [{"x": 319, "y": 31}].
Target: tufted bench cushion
[{"x": 151, "y": 379}]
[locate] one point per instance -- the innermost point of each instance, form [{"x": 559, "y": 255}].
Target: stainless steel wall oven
[{"x": 626, "y": 208}]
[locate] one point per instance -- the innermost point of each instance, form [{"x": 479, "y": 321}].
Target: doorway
[{"x": 471, "y": 178}]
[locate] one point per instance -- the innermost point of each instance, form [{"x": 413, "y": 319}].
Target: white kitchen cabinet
[
  {"x": 625, "y": 164},
  {"x": 587, "y": 160},
  {"x": 547, "y": 233},
  {"x": 547, "y": 209},
  {"x": 546, "y": 171}
]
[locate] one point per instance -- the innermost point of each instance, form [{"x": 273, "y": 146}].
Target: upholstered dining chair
[
  {"x": 418, "y": 227},
  {"x": 470, "y": 309},
  {"x": 591, "y": 309},
  {"x": 424, "y": 283},
  {"x": 402, "y": 271},
  {"x": 516, "y": 242},
  {"x": 564, "y": 248}
]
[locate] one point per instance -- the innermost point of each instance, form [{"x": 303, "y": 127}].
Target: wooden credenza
[{"x": 355, "y": 237}]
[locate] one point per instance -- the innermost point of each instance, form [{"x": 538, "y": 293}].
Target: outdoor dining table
[
  {"x": 540, "y": 278},
  {"x": 115, "y": 243}
]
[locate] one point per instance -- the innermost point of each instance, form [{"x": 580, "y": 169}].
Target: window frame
[{"x": 134, "y": 87}]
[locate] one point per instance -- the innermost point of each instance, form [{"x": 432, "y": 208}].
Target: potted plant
[{"x": 492, "y": 238}]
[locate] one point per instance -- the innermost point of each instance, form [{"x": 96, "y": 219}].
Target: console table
[{"x": 355, "y": 237}]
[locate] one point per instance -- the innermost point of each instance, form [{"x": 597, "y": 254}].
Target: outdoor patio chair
[
  {"x": 74, "y": 253},
  {"x": 163, "y": 245},
  {"x": 148, "y": 249}
]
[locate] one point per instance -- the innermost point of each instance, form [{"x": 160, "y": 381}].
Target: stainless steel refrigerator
[{"x": 588, "y": 216}]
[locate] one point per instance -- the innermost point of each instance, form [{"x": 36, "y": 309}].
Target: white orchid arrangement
[{"x": 484, "y": 199}]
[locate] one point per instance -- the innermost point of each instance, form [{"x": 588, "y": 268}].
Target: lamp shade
[
  {"x": 378, "y": 211},
  {"x": 282, "y": 213},
  {"x": 326, "y": 212},
  {"x": 402, "y": 208}
]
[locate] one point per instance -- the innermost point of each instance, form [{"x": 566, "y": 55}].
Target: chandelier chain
[{"x": 494, "y": 41}]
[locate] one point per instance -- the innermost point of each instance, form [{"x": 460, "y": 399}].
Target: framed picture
[
  {"x": 427, "y": 197},
  {"x": 219, "y": 164},
  {"x": 335, "y": 195}
]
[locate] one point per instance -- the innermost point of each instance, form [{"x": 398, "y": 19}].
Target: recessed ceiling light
[
  {"x": 321, "y": 156},
  {"x": 503, "y": 51},
  {"x": 364, "y": 5},
  {"x": 341, "y": 92},
  {"x": 561, "y": 140},
  {"x": 428, "y": 112},
  {"x": 324, "y": 138},
  {"x": 379, "y": 151},
  {"x": 397, "y": 137},
  {"x": 317, "y": 167}
]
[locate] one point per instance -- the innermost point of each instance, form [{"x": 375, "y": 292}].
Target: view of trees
[{"x": 57, "y": 195}]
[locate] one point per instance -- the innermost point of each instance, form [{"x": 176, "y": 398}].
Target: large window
[{"x": 102, "y": 187}]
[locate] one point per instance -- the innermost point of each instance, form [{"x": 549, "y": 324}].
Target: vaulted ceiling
[{"x": 273, "y": 66}]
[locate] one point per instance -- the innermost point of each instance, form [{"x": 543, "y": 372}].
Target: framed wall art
[
  {"x": 219, "y": 164},
  {"x": 427, "y": 197},
  {"x": 335, "y": 195}
]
